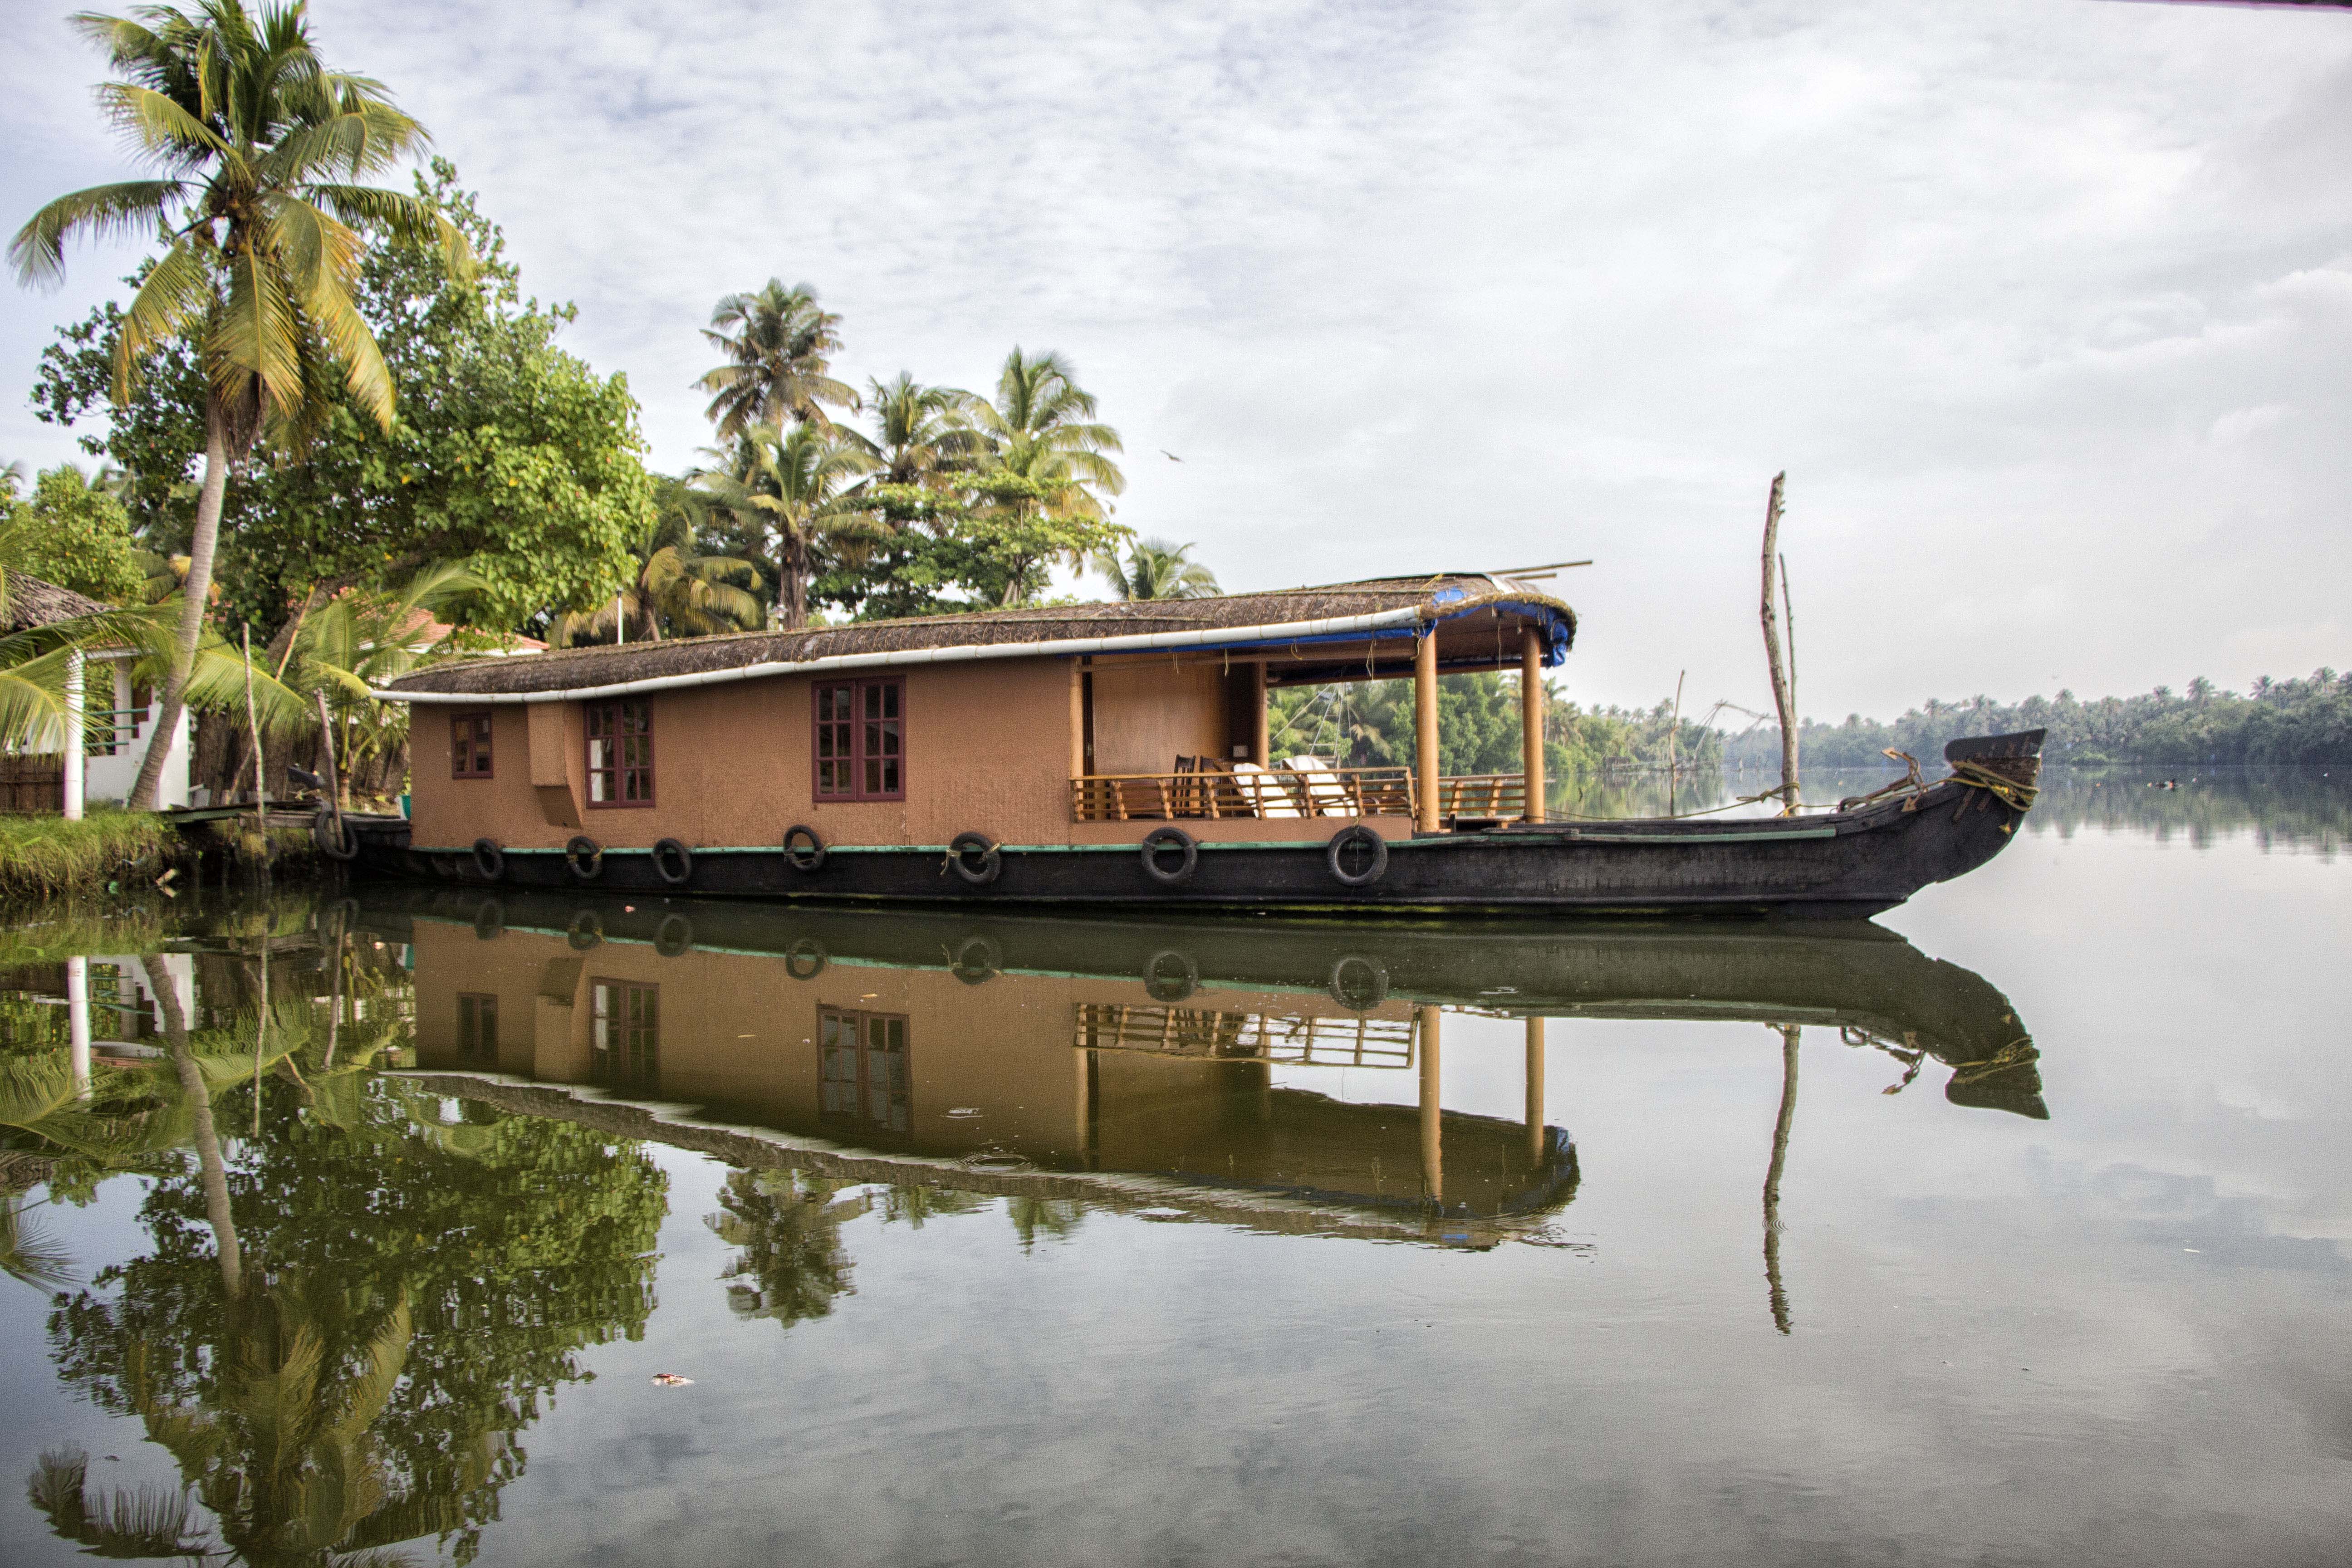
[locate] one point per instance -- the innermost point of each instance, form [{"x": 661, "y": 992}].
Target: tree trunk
[
  {"x": 795, "y": 584},
  {"x": 1783, "y": 699},
  {"x": 199, "y": 1111},
  {"x": 192, "y": 606}
]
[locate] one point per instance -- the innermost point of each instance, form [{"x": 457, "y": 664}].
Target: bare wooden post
[
  {"x": 1432, "y": 1156},
  {"x": 1534, "y": 1093},
  {"x": 1424, "y": 728},
  {"x": 1673, "y": 741},
  {"x": 1790, "y": 1033},
  {"x": 1784, "y": 697},
  {"x": 1077, "y": 723},
  {"x": 1531, "y": 719}
]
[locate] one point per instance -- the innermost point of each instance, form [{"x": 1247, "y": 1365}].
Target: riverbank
[{"x": 109, "y": 851}]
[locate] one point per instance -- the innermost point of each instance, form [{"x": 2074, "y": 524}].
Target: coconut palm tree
[
  {"x": 792, "y": 496},
  {"x": 677, "y": 586},
  {"x": 257, "y": 144},
  {"x": 922, "y": 433},
  {"x": 777, "y": 342},
  {"x": 1156, "y": 569},
  {"x": 1041, "y": 428}
]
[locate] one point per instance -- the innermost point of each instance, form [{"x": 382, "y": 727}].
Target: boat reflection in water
[{"x": 1127, "y": 1064}]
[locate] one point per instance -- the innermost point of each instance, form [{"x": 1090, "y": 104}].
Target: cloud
[{"x": 1426, "y": 287}]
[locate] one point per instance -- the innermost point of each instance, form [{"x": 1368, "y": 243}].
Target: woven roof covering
[
  {"x": 566, "y": 669},
  {"x": 33, "y": 602}
]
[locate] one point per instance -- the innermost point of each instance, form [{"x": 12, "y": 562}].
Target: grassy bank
[{"x": 44, "y": 855}]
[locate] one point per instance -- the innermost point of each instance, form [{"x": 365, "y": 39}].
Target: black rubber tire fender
[
  {"x": 584, "y": 856},
  {"x": 1161, "y": 839},
  {"x": 585, "y": 931},
  {"x": 489, "y": 859},
  {"x": 344, "y": 846},
  {"x": 674, "y": 938},
  {"x": 664, "y": 850},
  {"x": 991, "y": 858},
  {"x": 1361, "y": 999},
  {"x": 1164, "y": 987},
  {"x": 1348, "y": 837},
  {"x": 489, "y": 920},
  {"x": 805, "y": 959},
  {"x": 803, "y": 848},
  {"x": 977, "y": 961}
]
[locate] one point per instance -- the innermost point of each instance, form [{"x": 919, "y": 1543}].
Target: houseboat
[
  {"x": 1162, "y": 1065},
  {"x": 1108, "y": 754}
]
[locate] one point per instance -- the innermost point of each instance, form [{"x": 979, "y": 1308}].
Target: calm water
[{"x": 2010, "y": 1229}]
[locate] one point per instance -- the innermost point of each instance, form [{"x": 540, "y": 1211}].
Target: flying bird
[{"x": 1170, "y": 455}]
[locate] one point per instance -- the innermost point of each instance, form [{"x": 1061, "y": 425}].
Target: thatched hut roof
[
  {"x": 1338, "y": 614},
  {"x": 33, "y": 602}
]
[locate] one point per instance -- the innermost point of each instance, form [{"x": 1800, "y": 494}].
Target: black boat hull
[{"x": 1847, "y": 865}]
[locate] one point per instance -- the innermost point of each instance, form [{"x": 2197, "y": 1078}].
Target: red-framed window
[
  {"x": 470, "y": 746},
  {"x": 624, "y": 1034},
  {"x": 862, "y": 1070},
  {"x": 861, "y": 739},
  {"x": 619, "y": 754}
]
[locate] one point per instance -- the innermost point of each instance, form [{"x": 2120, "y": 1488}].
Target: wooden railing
[
  {"x": 1361, "y": 1042},
  {"x": 1286, "y": 792},
  {"x": 1483, "y": 794},
  {"x": 1274, "y": 791}
]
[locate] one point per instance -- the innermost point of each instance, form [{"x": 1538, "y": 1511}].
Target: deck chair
[
  {"x": 1265, "y": 792},
  {"x": 1325, "y": 795}
]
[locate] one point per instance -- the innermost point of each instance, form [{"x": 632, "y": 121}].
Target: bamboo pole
[
  {"x": 1424, "y": 728},
  {"x": 1531, "y": 717},
  {"x": 1784, "y": 697},
  {"x": 1673, "y": 741}
]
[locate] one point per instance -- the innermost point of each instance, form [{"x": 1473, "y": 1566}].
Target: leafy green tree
[
  {"x": 259, "y": 142},
  {"x": 1156, "y": 569},
  {"x": 777, "y": 343},
  {"x": 789, "y": 499},
  {"x": 77, "y": 536},
  {"x": 923, "y": 436},
  {"x": 507, "y": 453}
]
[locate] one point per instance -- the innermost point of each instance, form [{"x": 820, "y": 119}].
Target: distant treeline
[
  {"x": 2307, "y": 721},
  {"x": 1370, "y": 724},
  {"x": 2296, "y": 811}
]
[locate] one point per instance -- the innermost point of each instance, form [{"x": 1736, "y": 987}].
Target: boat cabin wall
[{"x": 989, "y": 747}]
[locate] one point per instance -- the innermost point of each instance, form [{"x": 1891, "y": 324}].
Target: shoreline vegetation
[
  {"x": 114, "y": 851},
  {"x": 2304, "y": 722}
]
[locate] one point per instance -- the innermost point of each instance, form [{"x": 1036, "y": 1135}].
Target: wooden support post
[
  {"x": 1531, "y": 721},
  {"x": 1260, "y": 744},
  {"x": 1424, "y": 728},
  {"x": 1534, "y": 1093},
  {"x": 1432, "y": 1158},
  {"x": 1077, "y": 721}
]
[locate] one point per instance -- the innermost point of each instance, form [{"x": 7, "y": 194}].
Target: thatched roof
[
  {"x": 1198, "y": 623},
  {"x": 33, "y": 602}
]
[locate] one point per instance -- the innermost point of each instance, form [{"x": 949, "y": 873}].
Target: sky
[{"x": 2045, "y": 307}]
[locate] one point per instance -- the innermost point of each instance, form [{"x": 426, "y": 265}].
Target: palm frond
[
  {"x": 160, "y": 125},
  {"x": 101, "y": 212}
]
